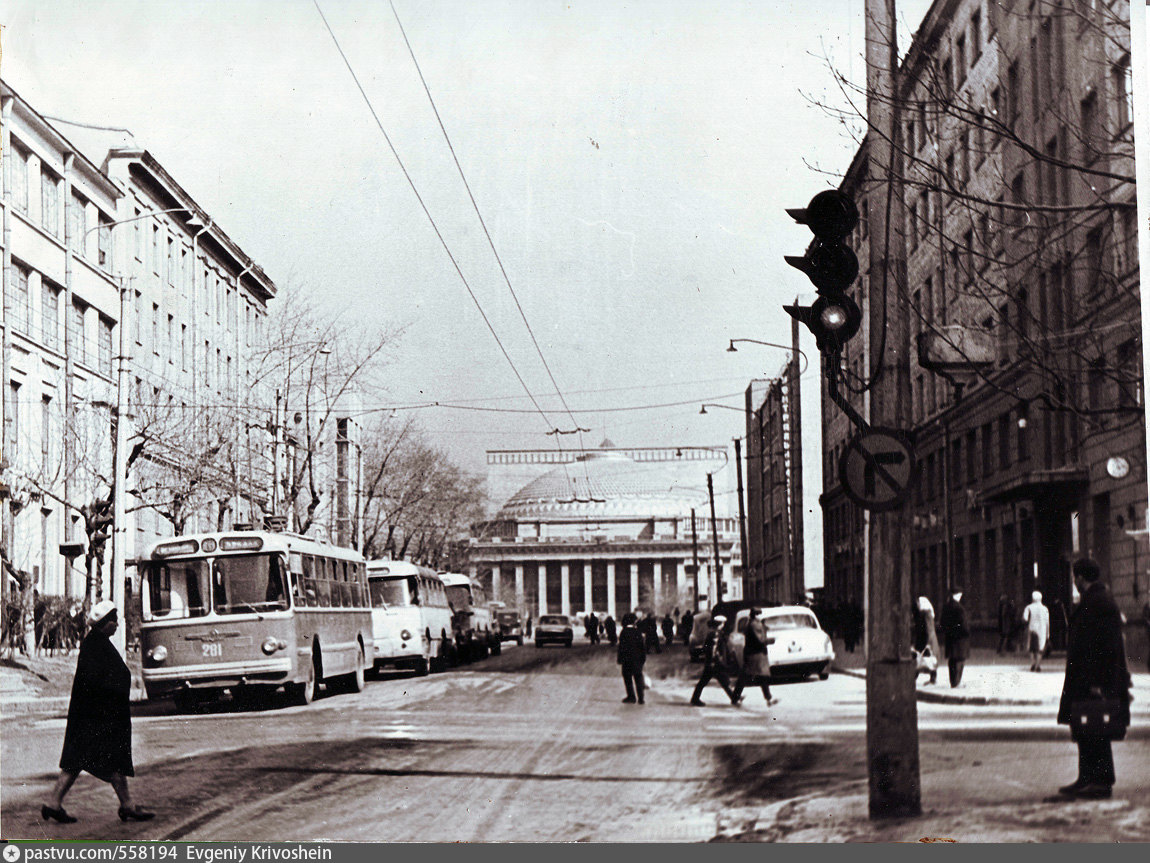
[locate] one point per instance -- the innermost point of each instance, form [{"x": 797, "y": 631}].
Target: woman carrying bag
[
  {"x": 756, "y": 668},
  {"x": 925, "y": 641}
]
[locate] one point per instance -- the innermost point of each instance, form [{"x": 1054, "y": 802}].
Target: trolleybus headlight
[
  {"x": 158, "y": 653},
  {"x": 271, "y": 645},
  {"x": 405, "y": 635}
]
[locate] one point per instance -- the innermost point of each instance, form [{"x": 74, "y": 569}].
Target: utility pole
[
  {"x": 715, "y": 541},
  {"x": 795, "y": 416},
  {"x": 742, "y": 512},
  {"x": 695, "y": 556},
  {"x": 892, "y": 720}
]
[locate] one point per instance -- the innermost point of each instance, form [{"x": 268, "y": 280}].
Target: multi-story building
[
  {"x": 775, "y": 566},
  {"x": 61, "y": 305},
  {"x": 1022, "y": 285},
  {"x": 91, "y": 251}
]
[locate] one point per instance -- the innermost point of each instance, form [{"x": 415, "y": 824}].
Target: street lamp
[
  {"x": 731, "y": 349},
  {"x": 703, "y": 408}
]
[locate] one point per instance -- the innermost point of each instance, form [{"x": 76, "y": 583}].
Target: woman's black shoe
[
  {"x": 47, "y": 812},
  {"x": 135, "y": 814}
]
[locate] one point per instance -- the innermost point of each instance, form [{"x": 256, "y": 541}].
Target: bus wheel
[
  {"x": 303, "y": 693},
  {"x": 355, "y": 680},
  {"x": 421, "y": 666},
  {"x": 497, "y": 648}
]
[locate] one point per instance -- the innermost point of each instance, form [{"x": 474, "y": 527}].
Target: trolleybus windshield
[
  {"x": 238, "y": 585},
  {"x": 391, "y": 591}
]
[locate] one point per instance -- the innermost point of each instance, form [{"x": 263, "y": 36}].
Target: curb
[{"x": 946, "y": 698}]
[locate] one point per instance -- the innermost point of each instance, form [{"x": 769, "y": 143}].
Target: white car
[{"x": 796, "y": 644}]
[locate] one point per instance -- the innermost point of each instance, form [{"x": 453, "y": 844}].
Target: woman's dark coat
[
  {"x": 632, "y": 653},
  {"x": 99, "y": 733},
  {"x": 756, "y": 667},
  {"x": 955, "y": 635},
  {"x": 1095, "y": 653}
]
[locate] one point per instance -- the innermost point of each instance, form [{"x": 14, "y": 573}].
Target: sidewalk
[
  {"x": 42, "y": 685},
  {"x": 989, "y": 678}
]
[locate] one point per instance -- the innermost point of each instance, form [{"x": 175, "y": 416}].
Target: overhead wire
[
  {"x": 427, "y": 213},
  {"x": 578, "y": 429}
]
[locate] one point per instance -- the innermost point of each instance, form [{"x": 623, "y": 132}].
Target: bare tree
[
  {"x": 417, "y": 505},
  {"x": 1019, "y": 183},
  {"x": 315, "y": 364}
]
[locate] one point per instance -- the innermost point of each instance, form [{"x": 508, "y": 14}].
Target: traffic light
[{"x": 832, "y": 267}]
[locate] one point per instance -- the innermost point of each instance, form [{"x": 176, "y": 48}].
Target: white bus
[
  {"x": 411, "y": 620},
  {"x": 476, "y": 633},
  {"x": 250, "y": 611}
]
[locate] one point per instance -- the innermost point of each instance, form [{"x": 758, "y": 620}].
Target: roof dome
[{"x": 609, "y": 485}]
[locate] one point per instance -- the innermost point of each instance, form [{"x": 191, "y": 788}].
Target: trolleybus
[
  {"x": 251, "y": 611},
  {"x": 411, "y": 620}
]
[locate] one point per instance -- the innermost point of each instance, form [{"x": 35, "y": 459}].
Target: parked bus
[
  {"x": 411, "y": 620},
  {"x": 252, "y": 611},
  {"x": 476, "y": 633}
]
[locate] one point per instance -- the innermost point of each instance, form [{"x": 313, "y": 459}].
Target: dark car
[
  {"x": 510, "y": 626},
  {"x": 554, "y": 629}
]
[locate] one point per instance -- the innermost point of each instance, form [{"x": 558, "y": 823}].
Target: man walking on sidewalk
[
  {"x": 955, "y": 635},
  {"x": 712, "y": 663},
  {"x": 1037, "y": 620}
]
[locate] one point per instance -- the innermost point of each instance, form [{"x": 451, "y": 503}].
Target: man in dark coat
[
  {"x": 1095, "y": 666},
  {"x": 687, "y": 622},
  {"x": 591, "y": 627},
  {"x": 98, "y": 737},
  {"x": 956, "y": 637},
  {"x": 756, "y": 669},
  {"x": 609, "y": 628},
  {"x": 631, "y": 656},
  {"x": 712, "y": 663},
  {"x": 1007, "y": 622},
  {"x": 669, "y": 629}
]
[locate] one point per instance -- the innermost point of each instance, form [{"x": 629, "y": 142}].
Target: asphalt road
[{"x": 533, "y": 745}]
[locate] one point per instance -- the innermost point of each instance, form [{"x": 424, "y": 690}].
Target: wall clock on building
[{"x": 1117, "y": 466}]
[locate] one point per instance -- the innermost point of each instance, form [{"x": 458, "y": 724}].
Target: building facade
[
  {"x": 1016, "y": 149},
  {"x": 608, "y": 531}
]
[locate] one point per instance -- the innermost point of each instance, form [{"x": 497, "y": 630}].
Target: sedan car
[
  {"x": 796, "y": 644},
  {"x": 510, "y": 626},
  {"x": 554, "y": 629}
]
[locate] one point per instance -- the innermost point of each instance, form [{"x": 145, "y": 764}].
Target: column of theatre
[{"x": 575, "y": 586}]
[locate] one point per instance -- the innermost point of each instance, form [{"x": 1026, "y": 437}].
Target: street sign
[{"x": 878, "y": 469}]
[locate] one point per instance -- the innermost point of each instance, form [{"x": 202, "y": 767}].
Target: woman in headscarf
[
  {"x": 98, "y": 737},
  {"x": 925, "y": 636}
]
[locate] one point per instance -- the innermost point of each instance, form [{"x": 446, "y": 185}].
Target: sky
[{"x": 631, "y": 161}]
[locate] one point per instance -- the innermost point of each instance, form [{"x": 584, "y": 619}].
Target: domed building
[{"x": 608, "y": 530}]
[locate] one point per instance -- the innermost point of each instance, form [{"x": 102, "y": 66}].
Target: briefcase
[{"x": 1097, "y": 718}]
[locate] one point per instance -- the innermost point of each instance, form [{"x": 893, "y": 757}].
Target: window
[
  {"x": 138, "y": 234},
  {"x": 46, "y": 435},
  {"x": 13, "y": 423},
  {"x": 955, "y": 460},
  {"x": 78, "y": 225},
  {"x": 20, "y": 179},
  {"x": 1018, "y": 216},
  {"x": 1123, "y": 95},
  {"x": 1004, "y": 441},
  {"x": 1013, "y": 99},
  {"x": 1088, "y": 128},
  {"x": 21, "y": 302},
  {"x": 155, "y": 329},
  {"x": 1023, "y": 426},
  {"x": 104, "y": 254},
  {"x": 1050, "y": 170},
  {"x": 947, "y": 75},
  {"x": 976, "y": 36},
  {"x": 172, "y": 270},
  {"x": 1092, "y": 261},
  {"x": 1129, "y": 374},
  {"x": 960, "y": 59},
  {"x": 105, "y": 358},
  {"x": 184, "y": 347},
  {"x": 50, "y": 202},
  {"x": 987, "y": 449},
  {"x": 50, "y": 313},
  {"x": 157, "y": 260},
  {"x": 1096, "y": 384},
  {"x": 77, "y": 337},
  {"x": 170, "y": 346},
  {"x": 1128, "y": 219}
]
